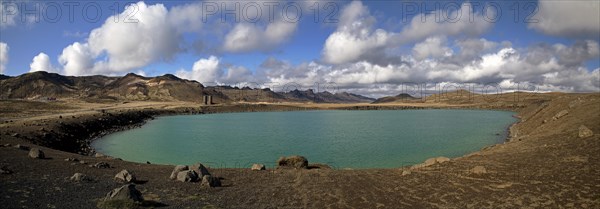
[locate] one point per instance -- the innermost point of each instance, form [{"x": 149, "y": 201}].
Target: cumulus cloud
[
  {"x": 433, "y": 47},
  {"x": 477, "y": 61},
  {"x": 133, "y": 45},
  {"x": 355, "y": 38},
  {"x": 203, "y": 71},
  {"x": 3, "y": 56},
  {"x": 464, "y": 21},
  {"x": 246, "y": 37},
  {"x": 152, "y": 34},
  {"x": 212, "y": 71},
  {"x": 567, "y": 18},
  {"x": 41, "y": 62},
  {"x": 77, "y": 59}
]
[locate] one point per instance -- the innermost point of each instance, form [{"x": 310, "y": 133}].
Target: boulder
[
  {"x": 125, "y": 176},
  {"x": 585, "y": 132},
  {"x": 99, "y": 165},
  {"x": 126, "y": 192},
  {"x": 295, "y": 161},
  {"x": 187, "y": 176},
  {"x": 176, "y": 171},
  {"x": 210, "y": 181},
  {"x": 80, "y": 177},
  {"x": 478, "y": 170},
  {"x": 258, "y": 167},
  {"x": 406, "y": 172},
  {"x": 36, "y": 153},
  {"x": 200, "y": 169},
  {"x": 98, "y": 155}
]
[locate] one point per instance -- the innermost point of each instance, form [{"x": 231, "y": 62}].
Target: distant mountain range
[
  {"x": 404, "y": 97},
  {"x": 132, "y": 87}
]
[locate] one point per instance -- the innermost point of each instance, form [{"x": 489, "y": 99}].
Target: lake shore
[{"x": 544, "y": 164}]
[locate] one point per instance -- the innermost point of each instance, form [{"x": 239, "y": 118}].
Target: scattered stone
[
  {"x": 36, "y": 153},
  {"x": 585, "y": 132},
  {"x": 406, "y": 172},
  {"x": 78, "y": 177},
  {"x": 7, "y": 145},
  {"x": 71, "y": 159},
  {"x": 210, "y": 181},
  {"x": 100, "y": 165},
  {"x": 126, "y": 192},
  {"x": 125, "y": 177},
  {"x": 98, "y": 155},
  {"x": 187, "y": 176},
  {"x": 176, "y": 171},
  {"x": 23, "y": 147},
  {"x": 295, "y": 161},
  {"x": 148, "y": 162},
  {"x": 478, "y": 170},
  {"x": 82, "y": 162},
  {"x": 15, "y": 135},
  {"x": 258, "y": 167},
  {"x": 5, "y": 170},
  {"x": 560, "y": 114},
  {"x": 200, "y": 169}
]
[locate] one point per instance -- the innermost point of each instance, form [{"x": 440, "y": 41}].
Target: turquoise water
[{"x": 342, "y": 139}]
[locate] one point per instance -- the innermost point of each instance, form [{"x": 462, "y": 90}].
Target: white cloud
[
  {"x": 3, "y": 56},
  {"x": 354, "y": 36},
  {"x": 133, "y": 45},
  {"x": 77, "y": 59},
  {"x": 477, "y": 61},
  {"x": 356, "y": 40},
  {"x": 203, "y": 71},
  {"x": 434, "y": 47},
  {"x": 41, "y": 62},
  {"x": 568, "y": 18},
  {"x": 212, "y": 71},
  {"x": 123, "y": 46},
  {"x": 245, "y": 37},
  {"x": 464, "y": 21}
]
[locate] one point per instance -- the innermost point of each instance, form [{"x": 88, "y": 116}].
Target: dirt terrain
[{"x": 546, "y": 163}]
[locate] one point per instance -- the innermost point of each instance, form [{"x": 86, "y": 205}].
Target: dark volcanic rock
[
  {"x": 126, "y": 192},
  {"x": 100, "y": 165},
  {"x": 210, "y": 181},
  {"x": 200, "y": 169},
  {"x": 295, "y": 161}
]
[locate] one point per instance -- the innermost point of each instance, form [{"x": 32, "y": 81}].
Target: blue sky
[{"x": 368, "y": 47}]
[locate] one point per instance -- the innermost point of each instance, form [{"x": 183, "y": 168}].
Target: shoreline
[
  {"x": 543, "y": 154},
  {"x": 506, "y": 131}
]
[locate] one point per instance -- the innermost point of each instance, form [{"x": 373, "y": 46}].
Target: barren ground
[{"x": 543, "y": 165}]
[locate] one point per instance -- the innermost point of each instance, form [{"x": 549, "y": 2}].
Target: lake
[{"x": 339, "y": 138}]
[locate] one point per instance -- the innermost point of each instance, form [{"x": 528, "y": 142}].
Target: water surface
[{"x": 343, "y": 139}]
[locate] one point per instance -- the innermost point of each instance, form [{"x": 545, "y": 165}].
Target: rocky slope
[{"x": 132, "y": 87}]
